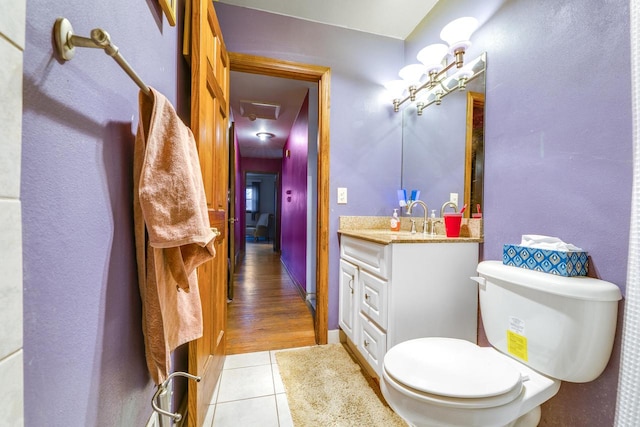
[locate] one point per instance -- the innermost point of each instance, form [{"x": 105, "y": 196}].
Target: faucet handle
[
  {"x": 413, "y": 226},
  {"x": 444, "y": 206}
]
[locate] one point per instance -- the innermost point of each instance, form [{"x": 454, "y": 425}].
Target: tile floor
[{"x": 250, "y": 393}]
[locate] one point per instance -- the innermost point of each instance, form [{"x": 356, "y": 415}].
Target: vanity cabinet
[{"x": 390, "y": 293}]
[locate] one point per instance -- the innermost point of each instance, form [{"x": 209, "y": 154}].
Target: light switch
[
  {"x": 342, "y": 196},
  {"x": 453, "y": 197}
]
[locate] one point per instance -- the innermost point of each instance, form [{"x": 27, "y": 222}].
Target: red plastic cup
[{"x": 452, "y": 223}]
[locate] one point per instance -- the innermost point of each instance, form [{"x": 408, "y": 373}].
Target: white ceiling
[
  {"x": 390, "y": 18},
  {"x": 288, "y": 94}
]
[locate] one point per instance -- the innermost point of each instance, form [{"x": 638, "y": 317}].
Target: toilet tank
[{"x": 562, "y": 327}]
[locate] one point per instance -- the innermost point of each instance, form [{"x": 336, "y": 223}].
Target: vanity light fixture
[
  {"x": 463, "y": 78},
  {"x": 264, "y": 135},
  {"x": 457, "y": 34},
  {"x": 457, "y": 81}
]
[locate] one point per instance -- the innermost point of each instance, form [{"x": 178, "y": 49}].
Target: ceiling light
[{"x": 264, "y": 135}]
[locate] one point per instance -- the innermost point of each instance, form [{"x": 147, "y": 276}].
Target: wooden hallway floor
[{"x": 267, "y": 311}]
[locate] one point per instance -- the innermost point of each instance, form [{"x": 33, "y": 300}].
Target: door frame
[{"x": 322, "y": 76}]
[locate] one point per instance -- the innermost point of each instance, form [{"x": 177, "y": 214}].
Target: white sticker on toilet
[{"x": 516, "y": 325}]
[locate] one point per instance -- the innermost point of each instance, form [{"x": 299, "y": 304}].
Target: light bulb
[
  {"x": 396, "y": 88},
  {"x": 412, "y": 73},
  {"x": 458, "y": 32},
  {"x": 432, "y": 55}
]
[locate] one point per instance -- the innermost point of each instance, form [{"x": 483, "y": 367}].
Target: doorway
[
  {"x": 262, "y": 213},
  {"x": 320, "y": 75}
]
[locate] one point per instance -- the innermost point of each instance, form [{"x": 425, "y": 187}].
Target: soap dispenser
[
  {"x": 432, "y": 222},
  {"x": 395, "y": 221}
]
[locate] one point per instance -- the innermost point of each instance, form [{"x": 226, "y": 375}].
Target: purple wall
[
  {"x": 240, "y": 205},
  {"x": 294, "y": 204},
  {"x": 83, "y": 344},
  {"x": 558, "y": 143},
  {"x": 365, "y": 133}
]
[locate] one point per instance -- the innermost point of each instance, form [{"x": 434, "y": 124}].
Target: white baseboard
[{"x": 333, "y": 336}]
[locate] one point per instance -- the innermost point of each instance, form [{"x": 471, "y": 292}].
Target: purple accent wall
[
  {"x": 365, "y": 133},
  {"x": 294, "y": 199},
  {"x": 83, "y": 345},
  {"x": 558, "y": 144},
  {"x": 240, "y": 205}
]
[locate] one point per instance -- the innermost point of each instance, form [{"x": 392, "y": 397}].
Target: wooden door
[{"x": 209, "y": 119}]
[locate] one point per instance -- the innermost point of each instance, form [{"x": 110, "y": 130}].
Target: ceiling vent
[{"x": 259, "y": 110}]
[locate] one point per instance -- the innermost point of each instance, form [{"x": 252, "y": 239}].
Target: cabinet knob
[
  {"x": 351, "y": 285},
  {"x": 366, "y": 343},
  {"x": 366, "y": 296}
]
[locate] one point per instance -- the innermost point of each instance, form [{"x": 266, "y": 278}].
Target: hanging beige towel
[{"x": 172, "y": 231}]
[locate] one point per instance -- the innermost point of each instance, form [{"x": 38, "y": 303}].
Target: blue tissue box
[{"x": 562, "y": 263}]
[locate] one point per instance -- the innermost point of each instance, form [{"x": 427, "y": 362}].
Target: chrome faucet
[
  {"x": 444, "y": 206},
  {"x": 426, "y": 212}
]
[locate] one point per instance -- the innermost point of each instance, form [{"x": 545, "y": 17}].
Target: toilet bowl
[
  {"x": 452, "y": 382},
  {"x": 543, "y": 329}
]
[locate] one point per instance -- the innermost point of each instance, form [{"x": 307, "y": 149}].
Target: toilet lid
[{"x": 452, "y": 368}]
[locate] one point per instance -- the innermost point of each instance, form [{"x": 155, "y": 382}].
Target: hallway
[{"x": 267, "y": 311}]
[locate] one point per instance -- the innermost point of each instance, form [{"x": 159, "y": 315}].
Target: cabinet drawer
[
  {"x": 370, "y": 256},
  {"x": 373, "y": 298},
  {"x": 373, "y": 343}
]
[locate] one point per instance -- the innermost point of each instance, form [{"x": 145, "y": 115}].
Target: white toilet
[{"x": 543, "y": 328}]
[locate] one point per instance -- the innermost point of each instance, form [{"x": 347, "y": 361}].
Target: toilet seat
[{"x": 453, "y": 372}]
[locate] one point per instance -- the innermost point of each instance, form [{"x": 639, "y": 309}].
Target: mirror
[{"x": 443, "y": 148}]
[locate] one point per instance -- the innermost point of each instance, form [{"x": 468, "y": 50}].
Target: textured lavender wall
[
  {"x": 558, "y": 143},
  {"x": 294, "y": 205},
  {"x": 83, "y": 345},
  {"x": 365, "y": 133}
]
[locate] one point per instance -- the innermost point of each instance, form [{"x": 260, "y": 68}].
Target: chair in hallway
[{"x": 262, "y": 227}]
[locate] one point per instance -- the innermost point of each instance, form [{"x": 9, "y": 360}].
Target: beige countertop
[{"x": 376, "y": 229}]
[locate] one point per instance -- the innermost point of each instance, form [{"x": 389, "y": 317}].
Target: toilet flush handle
[{"x": 482, "y": 282}]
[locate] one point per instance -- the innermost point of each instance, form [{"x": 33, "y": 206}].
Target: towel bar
[
  {"x": 163, "y": 387},
  {"x": 66, "y": 42}
]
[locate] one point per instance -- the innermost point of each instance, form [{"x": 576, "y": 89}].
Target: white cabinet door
[{"x": 348, "y": 304}]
